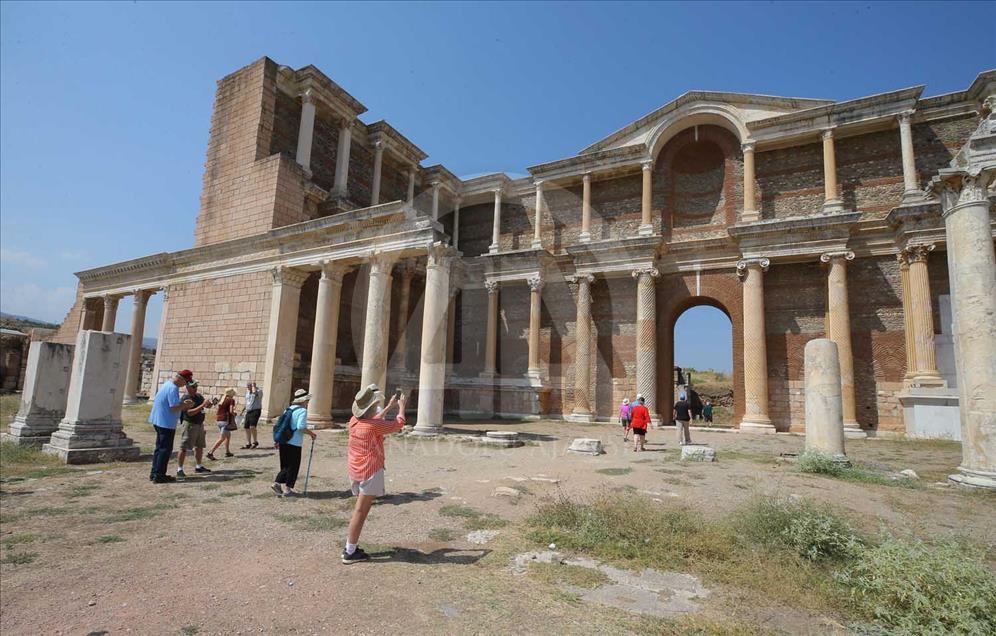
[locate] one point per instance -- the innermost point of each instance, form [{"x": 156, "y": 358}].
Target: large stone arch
[
  {"x": 681, "y": 291},
  {"x": 722, "y": 115}
]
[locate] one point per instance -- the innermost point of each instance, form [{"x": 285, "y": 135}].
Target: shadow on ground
[{"x": 442, "y": 556}]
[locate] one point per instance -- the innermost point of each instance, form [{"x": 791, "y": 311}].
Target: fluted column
[
  {"x": 401, "y": 322},
  {"x": 832, "y": 201},
  {"x": 911, "y": 187},
  {"x": 922, "y": 317},
  {"x": 582, "y": 347},
  {"x": 451, "y": 325},
  {"x": 972, "y": 268},
  {"x": 133, "y": 374},
  {"x": 491, "y": 335},
  {"x": 323, "y": 351},
  {"x": 342, "y": 158},
  {"x": 432, "y": 369},
  {"x": 374, "y": 366},
  {"x": 377, "y": 168},
  {"x": 435, "y": 200},
  {"x": 750, "y": 212},
  {"x": 411, "y": 185},
  {"x": 534, "y": 372},
  {"x": 285, "y": 299},
  {"x": 538, "y": 223},
  {"x": 646, "y": 200},
  {"x": 456, "y": 223},
  {"x": 646, "y": 338},
  {"x": 306, "y": 131},
  {"x": 904, "y": 284},
  {"x": 496, "y": 224},
  {"x": 838, "y": 330},
  {"x": 585, "y": 235},
  {"x": 751, "y": 272},
  {"x": 110, "y": 312}
]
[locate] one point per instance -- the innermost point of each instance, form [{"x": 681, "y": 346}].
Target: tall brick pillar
[
  {"x": 279, "y": 370},
  {"x": 756, "y": 420}
]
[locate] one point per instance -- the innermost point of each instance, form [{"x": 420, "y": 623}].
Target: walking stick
[{"x": 307, "y": 475}]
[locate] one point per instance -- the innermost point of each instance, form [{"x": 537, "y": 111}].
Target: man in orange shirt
[
  {"x": 367, "y": 429},
  {"x": 640, "y": 422}
]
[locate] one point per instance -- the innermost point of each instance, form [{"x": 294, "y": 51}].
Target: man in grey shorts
[
  {"x": 192, "y": 430},
  {"x": 251, "y": 412}
]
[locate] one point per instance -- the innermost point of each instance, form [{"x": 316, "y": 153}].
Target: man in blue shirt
[{"x": 164, "y": 416}]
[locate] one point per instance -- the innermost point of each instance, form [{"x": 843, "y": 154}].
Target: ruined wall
[
  {"x": 790, "y": 181},
  {"x": 870, "y": 172},
  {"x": 936, "y": 142}
]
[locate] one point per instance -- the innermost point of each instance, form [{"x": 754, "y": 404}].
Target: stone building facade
[{"x": 326, "y": 256}]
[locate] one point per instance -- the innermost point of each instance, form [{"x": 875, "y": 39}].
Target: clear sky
[{"x": 105, "y": 108}]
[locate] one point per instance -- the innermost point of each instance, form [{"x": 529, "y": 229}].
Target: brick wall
[
  {"x": 935, "y": 143},
  {"x": 790, "y": 181},
  {"x": 870, "y": 171}
]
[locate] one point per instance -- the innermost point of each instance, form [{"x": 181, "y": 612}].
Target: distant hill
[{"x": 24, "y": 323}]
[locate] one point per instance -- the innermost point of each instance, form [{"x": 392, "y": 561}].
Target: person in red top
[
  {"x": 365, "y": 458},
  {"x": 640, "y": 423}
]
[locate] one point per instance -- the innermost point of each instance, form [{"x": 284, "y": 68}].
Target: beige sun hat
[
  {"x": 300, "y": 397},
  {"x": 366, "y": 399},
  {"x": 230, "y": 392}
]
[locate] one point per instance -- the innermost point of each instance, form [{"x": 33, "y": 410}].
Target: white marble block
[{"x": 46, "y": 388}]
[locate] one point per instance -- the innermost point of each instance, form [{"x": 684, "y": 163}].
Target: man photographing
[
  {"x": 192, "y": 436},
  {"x": 367, "y": 429},
  {"x": 164, "y": 415}
]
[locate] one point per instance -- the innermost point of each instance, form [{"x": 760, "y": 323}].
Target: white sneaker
[{"x": 290, "y": 492}]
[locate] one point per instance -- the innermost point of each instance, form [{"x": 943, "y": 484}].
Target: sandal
[
  {"x": 254, "y": 445},
  {"x": 211, "y": 457},
  {"x": 229, "y": 454},
  {"x": 247, "y": 446}
]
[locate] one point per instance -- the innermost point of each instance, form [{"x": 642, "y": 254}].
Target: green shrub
[
  {"x": 910, "y": 587},
  {"x": 819, "y": 463},
  {"x": 801, "y": 526}
]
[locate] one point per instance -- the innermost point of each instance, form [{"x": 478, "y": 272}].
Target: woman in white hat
[
  {"x": 290, "y": 451},
  {"x": 226, "y": 424},
  {"x": 367, "y": 429}
]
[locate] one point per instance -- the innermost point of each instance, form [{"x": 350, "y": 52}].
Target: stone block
[
  {"x": 695, "y": 453},
  {"x": 91, "y": 430},
  {"x": 824, "y": 406},
  {"x": 586, "y": 446},
  {"x": 46, "y": 389}
]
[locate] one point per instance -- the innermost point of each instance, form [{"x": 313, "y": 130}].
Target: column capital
[
  {"x": 492, "y": 286},
  {"x": 334, "y": 271},
  {"x": 647, "y": 165},
  {"x": 905, "y": 117},
  {"x": 497, "y": 192},
  {"x": 436, "y": 184},
  {"x": 762, "y": 263},
  {"x": 536, "y": 282},
  {"x": 748, "y": 146},
  {"x": 581, "y": 279},
  {"x": 539, "y": 184},
  {"x": 308, "y": 97},
  {"x": 826, "y": 257},
  {"x": 379, "y": 145},
  {"x": 918, "y": 253},
  {"x": 649, "y": 270},
  {"x": 381, "y": 262},
  {"x": 440, "y": 255},
  {"x": 826, "y": 133},
  {"x": 346, "y": 123},
  {"x": 142, "y": 295},
  {"x": 288, "y": 276},
  {"x": 586, "y": 177}
]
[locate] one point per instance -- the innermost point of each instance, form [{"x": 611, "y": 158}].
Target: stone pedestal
[
  {"x": 46, "y": 388},
  {"x": 91, "y": 430},
  {"x": 697, "y": 453},
  {"x": 930, "y": 413},
  {"x": 824, "y": 406}
]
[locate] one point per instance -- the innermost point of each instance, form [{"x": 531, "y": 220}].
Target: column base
[
  {"x": 974, "y": 478},
  {"x": 426, "y": 431},
  {"x": 852, "y": 430},
  {"x": 928, "y": 381},
  {"x": 750, "y": 216},
  {"x": 580, "y": 418},
  {"x": 584, "y": 237},
  {"x": 757, "y": 426},
  {"x": 536, "y": 244},
  {"x": 93, "y": 455},
  {"x": 492, "y": 249},
  {"x": 535, "y": 377},
  {"x": 487, "y": 375},
  {"x": 130, "y": 399},
  {"x": 36, "y": 441},
  {"x": 321, "y": 423},
  {"x": 833, "y": 206},
  {"x": 645, "y": 230},
  {"x": 914, "y": 197}
]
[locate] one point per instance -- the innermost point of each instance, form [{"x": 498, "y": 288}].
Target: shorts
[
  {"x": 251, "y": 419},
  {"x": 624, "y": 422},
  {"x": 373, "y": 487},
  {"x": 192, "y": 436},
  {"x": 224, "y": 432},
  {"x": 639, "y": 431}
]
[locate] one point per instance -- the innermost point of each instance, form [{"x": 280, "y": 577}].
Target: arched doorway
[{"x": 703, "y": 356}]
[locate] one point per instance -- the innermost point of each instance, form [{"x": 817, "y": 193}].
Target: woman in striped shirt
[{"x": 367, "y": 429}]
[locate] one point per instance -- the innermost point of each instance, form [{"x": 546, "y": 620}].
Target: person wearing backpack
[{"x": 288, "y": 437}]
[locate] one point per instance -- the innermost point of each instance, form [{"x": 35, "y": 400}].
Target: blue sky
[{"x": 105, "y": 108}]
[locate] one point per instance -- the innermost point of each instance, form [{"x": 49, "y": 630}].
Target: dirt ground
[{"x": 220, "y": 554}]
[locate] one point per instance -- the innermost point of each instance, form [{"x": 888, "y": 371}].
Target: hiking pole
[{"x": 307, "y": 475}]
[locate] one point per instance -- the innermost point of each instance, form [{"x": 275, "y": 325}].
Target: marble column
[
  {"x": 972, "y": 268},
  {"x": 537, "y": 243},
  {"x": 285, "y": 299},
  {"x": 585, "y": 235},
  {"x": 756, "y": 420},
  {"x": 456, "y": 223},
  {"x": 925, "y": 371},
  {"x": 378, "y": 166},
  {"x": 432, "y": 369},
  {"x": 451, "y": 325},
  {"x": 496, "y": 224},
  {"x": 110, "y": 312},
  {"x": 323, "y": 350},
  {"x": 904, "y": 283},
  {"x": 534, "y": 372},
  {"x": 832, "y": 201},
  {"x": 838, "y": 328},
  {"x": 646, "y": 339},
  {"x": 401, "y": 322},
  {"x": 435, "y": 200},
  {"x": 133, "y": 375},
  {"x": 340, "y": 186},
  {"x": 411, "y": 185},
  {"x": 306, "y": 131},
  {"x": 646, "y": 201},
  {"x": 374, "y": 366},
  {"x": 582, "y": 349},
  {"x": 911, "y": 187},
  {"x": 750, "y": 212},
  {"x": 157, "y": 368},
  {"x": 491, "y": 334}
]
